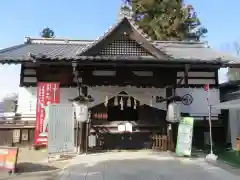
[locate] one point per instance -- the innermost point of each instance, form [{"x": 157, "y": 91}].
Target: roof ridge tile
[{"x": 31, "y": 40}]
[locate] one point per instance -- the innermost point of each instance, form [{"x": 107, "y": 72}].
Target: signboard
[
  {"x": 92, "y": 140},
  {"x": 184, "y": 139},
  {"x": 47, "y": 93},
  {"x": 8, "y": 158},
  {"x": 194, "y": 101},
  {"x": 61, "y": 129},
  {"x": 81, "y": 111},
  {"x": 128, "y": 127},
  {"x": 121, "y": 128},
  {"x": 1, "y": 111}
]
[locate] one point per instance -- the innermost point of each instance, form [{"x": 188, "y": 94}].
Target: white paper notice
[
  {"x": 121, "y": 128},
  {"x": 128, "y": 127}
]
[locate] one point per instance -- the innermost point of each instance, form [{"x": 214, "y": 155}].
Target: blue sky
[{"x": 89, "y": 19}]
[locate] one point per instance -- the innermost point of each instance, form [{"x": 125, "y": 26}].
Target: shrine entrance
[
  {"x": 123, "y": 122},
  {"x": 126, "y": 110}
]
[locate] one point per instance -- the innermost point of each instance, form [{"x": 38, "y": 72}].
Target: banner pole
[
  {"x": 210, "y": 129},
  {"x": 211, "y": 156}
]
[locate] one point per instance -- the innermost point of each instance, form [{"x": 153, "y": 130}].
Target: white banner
[
  {"x": 144, "y": 95},
  {"x": 195, "y": 101}
]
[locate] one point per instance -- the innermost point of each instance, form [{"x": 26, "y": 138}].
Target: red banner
[{"x": 47, "y": 93}]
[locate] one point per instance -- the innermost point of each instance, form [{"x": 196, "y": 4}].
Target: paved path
[
  {"x": 33, "y": 163},
  {"x": 142, "y": 166}
]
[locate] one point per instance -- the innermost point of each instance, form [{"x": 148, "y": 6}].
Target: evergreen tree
[
  {"x": 166, "y": 19},
  {"x": 47, "y": 33}
]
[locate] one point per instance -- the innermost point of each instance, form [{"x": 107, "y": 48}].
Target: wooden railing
[{"x": 159, "y": 142}]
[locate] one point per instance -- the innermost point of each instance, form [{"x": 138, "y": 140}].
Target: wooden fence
[
  {"x": 160, "y": 142},
  {"x": 21, "y": 134},
  {"x": 16, "y": 133}
]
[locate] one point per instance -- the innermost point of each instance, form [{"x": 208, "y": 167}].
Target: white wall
[
  {"x": 27, "y": 100},
  {"x": 199, "y": 105},
  {"x": 144, "y": 95}
]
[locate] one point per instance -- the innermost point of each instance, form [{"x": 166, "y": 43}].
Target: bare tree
[
  {"x": 10, "y": 102},
  {"x": 234, "y": 48}
]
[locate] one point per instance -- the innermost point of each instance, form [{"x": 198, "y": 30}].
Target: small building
[
  {"x": 230, "y": 106},
  {"x": 131, "y": 71}
]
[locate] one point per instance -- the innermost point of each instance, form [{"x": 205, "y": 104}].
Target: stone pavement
[
  {"x": 142, "y": 165},
  {"x": 33, "y": 163}
]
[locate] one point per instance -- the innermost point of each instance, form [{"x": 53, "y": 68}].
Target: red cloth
[{"x": 206, "y": 87}]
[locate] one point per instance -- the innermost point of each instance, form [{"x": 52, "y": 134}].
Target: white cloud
[{"x": 9, "y": 79}]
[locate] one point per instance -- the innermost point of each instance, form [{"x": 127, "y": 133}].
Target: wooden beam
[
  {"x": 21, "y": 75},
  {"x": 216, "y": 78}
]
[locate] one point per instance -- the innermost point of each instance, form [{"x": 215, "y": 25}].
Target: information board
[
  {"x": 1, "y": 111},
  {"x": 8, "y": 158},
  {"x": 61, "y": 129},
  {"x": 184, "y": 139}
]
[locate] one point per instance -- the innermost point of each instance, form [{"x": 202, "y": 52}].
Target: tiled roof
[
  {"x": 74, "y": 49},
  {"x": 111, "y": 29},
  {"x": 190, "y": 51},
  {"x": 67, "y": 49},
  {"x": 51, "y": 48}
]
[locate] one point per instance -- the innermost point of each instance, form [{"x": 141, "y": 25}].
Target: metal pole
[{"x": 210, "y": 128}]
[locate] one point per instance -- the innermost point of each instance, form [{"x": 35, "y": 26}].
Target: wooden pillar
[
  {"x": 22, "y": 75},
  {"x": 87, "y": 135},
  {"x": 80, "y": 137},
  {"x": 169, "y": 92},
  {"x": 186, "y": 69}
]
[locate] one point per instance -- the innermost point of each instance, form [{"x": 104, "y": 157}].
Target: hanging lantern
[
  {"x": 106, "y": 101},
  {"x": 173, "y": 112},
  {"x": 121, "y": 103},
  {"x": 135, "y": 104},
  {"x": 129, "y": 102},
  {"x": 116, "y": 101}
]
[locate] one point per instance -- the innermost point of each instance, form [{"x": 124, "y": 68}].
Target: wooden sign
[
  {"x": 184, "y": 139},
  {"x": 8, "y": 158},
  {"x": 16, "y": 135},
  {"x": 24, "y": 134}
]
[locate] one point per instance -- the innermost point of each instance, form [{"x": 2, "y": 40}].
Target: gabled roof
[
  {"x": 128, "y": 28},
  {"x": 66, "y": 49}
]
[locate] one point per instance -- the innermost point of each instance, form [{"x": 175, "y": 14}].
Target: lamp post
[
  {"x": 81, "y": 111},
  {"x": 173, "y": 116}
]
